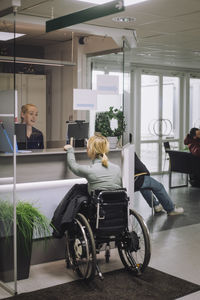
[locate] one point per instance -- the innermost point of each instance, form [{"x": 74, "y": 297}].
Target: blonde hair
[
  {"x": 98, "y": 146},
  {"x": 25, "y": 108}
]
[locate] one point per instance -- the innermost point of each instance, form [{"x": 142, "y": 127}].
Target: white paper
[
  {"x": 104, "y": 102},
  {"x": 108, "y": 84},
  {"x": 84, "y": 99}
]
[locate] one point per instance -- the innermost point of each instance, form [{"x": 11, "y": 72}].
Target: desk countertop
[{"x": 50, "y": 151}]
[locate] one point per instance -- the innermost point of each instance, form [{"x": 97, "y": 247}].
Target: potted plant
[
  {"x": 28, "y": 218},
  {"x": 111, "y": 124}
]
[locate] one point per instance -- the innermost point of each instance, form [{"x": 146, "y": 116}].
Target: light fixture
[
  {"x": 124, "y": 19},
  {"x": 6, "y": 36},
  {"x": 126, "y": 2}
]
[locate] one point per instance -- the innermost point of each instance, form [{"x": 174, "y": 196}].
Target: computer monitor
[
  {"x": 79, "y": 132},
  {"x": 7, "y": 129},
  {"x": 21, "y": 137},
  {"x": 6, "y": 134}
]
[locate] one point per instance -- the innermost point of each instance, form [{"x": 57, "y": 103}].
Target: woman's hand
[{"x": 66, "y": 147}]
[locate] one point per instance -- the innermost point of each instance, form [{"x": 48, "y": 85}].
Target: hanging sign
[{"x": 85, "y": 15}]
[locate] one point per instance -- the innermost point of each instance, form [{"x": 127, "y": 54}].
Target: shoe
[
  {"x": 176, "y": 211},
  {"x": 158, "y": 208}
]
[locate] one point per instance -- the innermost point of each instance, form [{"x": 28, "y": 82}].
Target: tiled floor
[{"x": 175, "y": 246}]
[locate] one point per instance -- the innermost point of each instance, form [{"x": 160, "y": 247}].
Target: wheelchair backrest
[{"x": 111, "y": 214}]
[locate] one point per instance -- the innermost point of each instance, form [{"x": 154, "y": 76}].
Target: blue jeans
[{"x": 151, "y": 185}]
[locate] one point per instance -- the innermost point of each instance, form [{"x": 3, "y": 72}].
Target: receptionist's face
[{"x": 30, "y": 116}]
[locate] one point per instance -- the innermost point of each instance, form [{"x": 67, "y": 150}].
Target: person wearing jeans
[{"x": 147, "y": 184}]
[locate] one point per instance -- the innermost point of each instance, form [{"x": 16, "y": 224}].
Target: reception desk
[
  {"x": 43, "y": 179},
  {"x": 45, "y": 165}
]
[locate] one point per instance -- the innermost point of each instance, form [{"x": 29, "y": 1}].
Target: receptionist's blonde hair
[
  {"x": 25, "y": 108},
  {"x": 97, "y": 147}
]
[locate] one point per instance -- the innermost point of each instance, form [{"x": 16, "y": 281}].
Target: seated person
[
  {"x": 101, "y": 174},
  {"x": 29, "y": 114},
  {"x": 193, "y": 141},
  {"x": 147, "y": 184}
]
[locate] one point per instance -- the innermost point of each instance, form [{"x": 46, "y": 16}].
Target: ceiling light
[
  {"x": 6, "y": 36},
  {"x": 124, "y": 19},
  {"x": 126, "y": 2}
]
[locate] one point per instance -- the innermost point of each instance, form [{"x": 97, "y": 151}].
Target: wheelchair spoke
[
  {"x": 82, "y": 248},
  {"x": 134, "y": 249}
]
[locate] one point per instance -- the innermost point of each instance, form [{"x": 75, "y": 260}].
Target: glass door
[{"x": 159, "y": 119}]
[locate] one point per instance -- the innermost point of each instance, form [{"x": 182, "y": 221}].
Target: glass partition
[
  {"x": 36, "y": 70},
  {"x": 8, "y": 114},
  {"x": 108, "y": 81}
]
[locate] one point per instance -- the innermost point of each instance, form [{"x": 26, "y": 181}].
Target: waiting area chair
[{"x": 180, "y": 162}]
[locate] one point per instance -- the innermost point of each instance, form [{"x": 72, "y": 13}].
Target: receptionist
[{"x": 29, "y": 115}]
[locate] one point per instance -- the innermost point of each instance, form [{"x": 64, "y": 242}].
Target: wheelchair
[{"x": 105, "y": 219}]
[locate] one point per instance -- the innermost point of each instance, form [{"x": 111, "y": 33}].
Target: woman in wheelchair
[
  {"x": 101, "y": 174},
  {"x": 105, "y": 218}
]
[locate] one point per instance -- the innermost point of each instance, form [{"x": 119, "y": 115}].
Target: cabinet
[{"x": 30, "y": 89}]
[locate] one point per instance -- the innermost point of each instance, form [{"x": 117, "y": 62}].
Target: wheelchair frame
[{"x": 107, "y": 218}]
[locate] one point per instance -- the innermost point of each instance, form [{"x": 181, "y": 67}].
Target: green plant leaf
[
  {"x": 102, "y": 122},
  {"x": 28, "y": 218}
]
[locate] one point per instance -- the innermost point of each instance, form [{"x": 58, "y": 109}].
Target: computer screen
[
  {"x": 21, "y": 137},
  {"x": 7, "y": 129},
  {"x": 6, "y": 134},
  {"x": 78, "y": 130}
]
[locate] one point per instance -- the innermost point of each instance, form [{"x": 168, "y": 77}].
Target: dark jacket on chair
[
  {"x": 193, "y": 145},
  {"x": 139, "y": 168},
  {"x": 68, "y": 208}
]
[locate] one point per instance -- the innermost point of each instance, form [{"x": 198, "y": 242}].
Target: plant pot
[
  {"x": 113, "y": 140},
  {"x": 24, "y": 250}
]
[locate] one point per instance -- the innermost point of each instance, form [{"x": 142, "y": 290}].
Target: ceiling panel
[
  {"x": 169, "y": 8},
  {"x": 165, "y": 28}
]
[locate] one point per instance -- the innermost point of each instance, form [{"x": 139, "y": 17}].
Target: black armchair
[{"x": 182, "y": 162}]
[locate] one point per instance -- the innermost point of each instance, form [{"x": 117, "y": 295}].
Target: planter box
[
  {"x": 7, "y": 258},
  {"x": 113, "y": 140}
]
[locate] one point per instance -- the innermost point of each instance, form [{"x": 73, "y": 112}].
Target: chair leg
[
  {"x": 163, "y": 170},
  {"x": 107, "y": 252},
  {"x": 152, "y": 209}
]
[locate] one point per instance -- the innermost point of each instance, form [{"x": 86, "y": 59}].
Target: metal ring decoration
[{"x": 157, "y": 125}]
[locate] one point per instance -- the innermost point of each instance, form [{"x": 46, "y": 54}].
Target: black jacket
[
  {"x": 68, "y": 208},
  {"x": 35, "y": 141},
  {"x": 139, "y": 168}
]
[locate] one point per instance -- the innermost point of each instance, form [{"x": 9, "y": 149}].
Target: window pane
[
  {"x": 194, "y": 103},
  {"x": 149, "y": 107},
  {"x": 170, "y": 124},
  {"x": 149, "y": 156}
]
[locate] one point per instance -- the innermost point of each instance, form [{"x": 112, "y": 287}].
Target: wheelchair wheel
[
  {"x": 81, "y": 248},
  {"x": 134, "y": 248}
]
